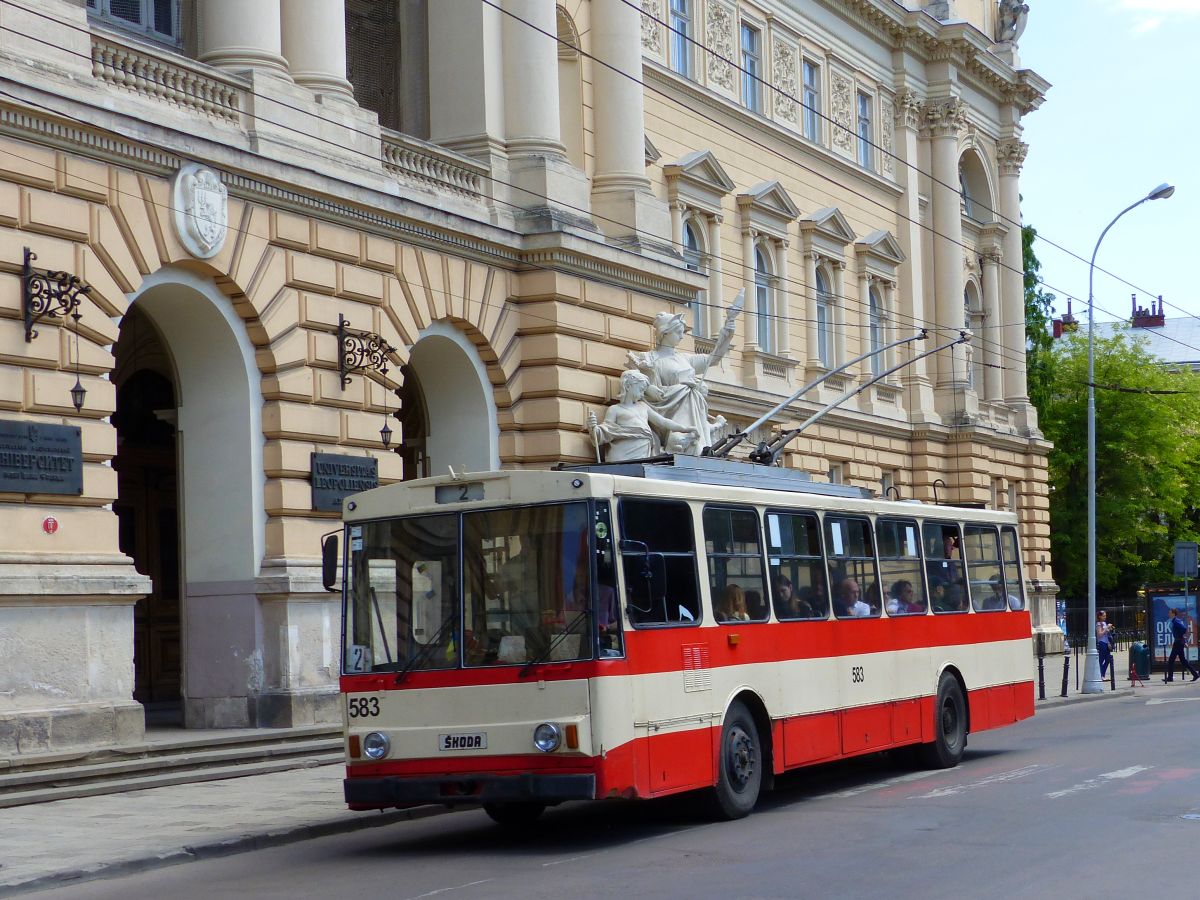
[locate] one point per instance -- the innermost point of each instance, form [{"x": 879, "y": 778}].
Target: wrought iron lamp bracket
[
  {"x": 48, "y": 295},
  {"x": 360, "y": 351}
]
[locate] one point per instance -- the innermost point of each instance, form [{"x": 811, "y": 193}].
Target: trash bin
[{"x": 1139, "y": 658}]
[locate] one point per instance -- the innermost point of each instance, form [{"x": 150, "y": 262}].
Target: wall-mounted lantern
[{"x": 359, "y": 351}]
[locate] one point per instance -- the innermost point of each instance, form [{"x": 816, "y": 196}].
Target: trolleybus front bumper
[{"x": 375, "y": 793}]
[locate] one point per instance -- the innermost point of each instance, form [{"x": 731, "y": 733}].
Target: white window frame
[
  {"x": 101, "y": 11},
  {"x": 875, "y": 329},
  {"x": 695, "y": 259},
  {"x": 752, "y": 66},
  {"x": 824, "y": 315},
  {"x": 764, "y": 300},
  {"x": 811, "y": 100},
  {"x": 681, "y": 15},
  {"x": 865, "y": 118}
]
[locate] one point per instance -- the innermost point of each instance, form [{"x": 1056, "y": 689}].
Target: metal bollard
[
  {"x": 1066, "y": 669},
  {"x": 1041, "y": 675},
  {"x": 1112, "y": 672}
]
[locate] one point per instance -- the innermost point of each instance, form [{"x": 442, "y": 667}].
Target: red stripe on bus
[
  {"x": 672, "y": 762},
  {"x": 659, "y": 649}
]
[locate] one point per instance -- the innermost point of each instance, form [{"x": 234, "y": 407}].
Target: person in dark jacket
[{"x": 1179, "y": 632}]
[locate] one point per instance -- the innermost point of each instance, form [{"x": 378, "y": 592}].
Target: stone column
[
  {"x": 996, "y": 358},
  {"x": 716, "y": 300},
  {"x": 621, "y": 198},
  {"x": 677, "y": 224},
  {"x": 539, "y": 170},
  {"x": 942, "y": 119},
  {"x": 1011, "y": 154},
  {"x": 750, "y": 339},
  {"x": 314, "y": 44},
  {"x": 839, "y": 317},
  {"x": 237, "y": 35},
  {"x": 783, "y": 306},
  {"x": 810, "y": 310},
  {"x": 914, "y": 377}
]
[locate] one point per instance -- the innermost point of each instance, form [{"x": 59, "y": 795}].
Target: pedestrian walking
[
  {"x": 1104, "y": 641},
  {"x": 1179, "y": 632}
]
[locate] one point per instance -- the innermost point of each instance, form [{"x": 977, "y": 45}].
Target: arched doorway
[
  {"x": 147, "y": 510},
  {"x": 447, "y": 377},
  {"x": 203, "y": 351}
]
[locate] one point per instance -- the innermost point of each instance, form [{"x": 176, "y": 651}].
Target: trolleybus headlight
[
  {"x": 376, "y": 745},
  {"x": 547, "y": 737}
]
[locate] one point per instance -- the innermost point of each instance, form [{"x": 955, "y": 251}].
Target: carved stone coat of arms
[{"x": 200, "y": 210}]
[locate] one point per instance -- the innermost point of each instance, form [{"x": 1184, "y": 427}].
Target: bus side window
[
  {"x": 943, "y": 565},
  {"x": 658, "y": 562},
  {"x": 982, "y": 550},
  {"x": 1014, "y": 587}
]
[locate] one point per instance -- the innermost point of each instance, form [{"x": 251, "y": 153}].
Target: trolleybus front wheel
[
  {"x": 524, "y": 812},
  {"x": 739, "y": 775},
  {"x": 950, "y": 726}
]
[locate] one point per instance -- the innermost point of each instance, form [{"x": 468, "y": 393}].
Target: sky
[{"x": 1120, "y": 118}]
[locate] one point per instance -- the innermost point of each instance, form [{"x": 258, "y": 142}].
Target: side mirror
[{"x": 329, "y": 562}]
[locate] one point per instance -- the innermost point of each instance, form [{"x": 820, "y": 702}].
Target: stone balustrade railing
[
  {"x": 170, "y": 80},
  {"x": 419, "y": 161}
]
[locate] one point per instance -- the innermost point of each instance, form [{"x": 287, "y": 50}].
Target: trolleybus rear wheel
[
  {"x": 950, "y": 726},
  {"x": 524, "y": 812},
  {"x": 739, "y": 762}
]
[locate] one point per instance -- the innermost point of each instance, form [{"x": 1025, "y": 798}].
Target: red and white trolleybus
[{"x": 516, "y": 639}]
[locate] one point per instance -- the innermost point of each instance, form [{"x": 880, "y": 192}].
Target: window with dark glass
[
  {"x": 1014, "y": 585},
  {"x": 981, "y": 550},
  {"x": 658, "y": 562},
  {"x": 853, "y": 576},
  {"x": 799, "y": 589},
  {"x": 736, "y": 579},
  {"x": 157, "y": 19},
  {"x": 865, "y": 147},
  {"x": 812, "y": 101},
  {"x": 875, "y": 331},
  {"x": 944, "y": 567},
  {"x": 693, "y": 258},
  {"x": 900, "y": 565}
]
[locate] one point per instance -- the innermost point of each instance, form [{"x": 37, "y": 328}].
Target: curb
[{"x": 228, "y": 847}]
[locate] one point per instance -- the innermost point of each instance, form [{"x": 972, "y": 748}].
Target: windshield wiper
[
  {"x": 558, "y": 639},
  {"x": 424, "y": 652}
]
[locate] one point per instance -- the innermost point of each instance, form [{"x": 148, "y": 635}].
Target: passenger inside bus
[
  {"x": 998, "y": 599},
  {"x": 732, "y": 605},
  {"x": 903, "y": 600},
  {"x": 849, "y": 602},
  {"x": 787, "y": 604}
]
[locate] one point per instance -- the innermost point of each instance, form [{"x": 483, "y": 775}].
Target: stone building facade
[{"x": 505, "y": 192}]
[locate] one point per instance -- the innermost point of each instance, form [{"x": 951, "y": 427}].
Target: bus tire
[
  {"x": 739, "y": 765},
  {"x": 949, "y": 726},
  {"x": 524, "y": 812}
]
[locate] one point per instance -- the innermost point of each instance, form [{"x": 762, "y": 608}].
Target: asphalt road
[{"x": 1092, "y": 800}]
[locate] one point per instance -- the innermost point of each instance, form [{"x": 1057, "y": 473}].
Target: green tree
[
  {"x": 1147, "y": 462},
  {"x": 1039, "y": 307}
]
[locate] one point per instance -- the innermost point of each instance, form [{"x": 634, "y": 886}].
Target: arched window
[
  {"x": 762, "y": 301},
  {"x": 570, "y": 87},
  {"x": 875, "y": 330},
  {"x": 973, "y": 356},
  {"x": 824, "y": 320},
  {"x": 693, "y": 258}
]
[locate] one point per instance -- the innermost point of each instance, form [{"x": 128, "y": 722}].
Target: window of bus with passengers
[
  {"x": 981, "y": 548},
  {"x": 798, "y": 586},
  {"x": 658, "y": 562},
  {"x": 944, "y": 566},
  {"x": 736, "y": 579},
  {"x": 852, "y": 571},
  {"x": 900, "y": 566}
]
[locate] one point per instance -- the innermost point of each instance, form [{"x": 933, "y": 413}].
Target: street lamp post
[{"x": 1092, "y": 683}]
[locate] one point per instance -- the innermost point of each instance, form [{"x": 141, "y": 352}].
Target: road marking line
[
  {"x": 457, "y": 887},
  {"x": 1099, "y": 780},
  {"x": 998, "y": 778},
  {"x": 559, "y": 862},
  {"x": 880, "y": 785},
  {"x": 1172, "y": 700}
]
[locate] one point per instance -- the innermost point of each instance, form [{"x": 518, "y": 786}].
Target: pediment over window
[
  {"x": 652, "y": 153},
  {"x": 880, "y": 252},
  {"x": 698, "y": 180},
  {"x": 830, "y": 224},
  {"x": 767, "y": 206}
]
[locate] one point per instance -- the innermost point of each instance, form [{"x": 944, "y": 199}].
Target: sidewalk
[
  {"x": 1053, "y": 668},
  {"x": 115, "y": 834}
]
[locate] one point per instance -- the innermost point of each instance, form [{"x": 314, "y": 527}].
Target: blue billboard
[{"x": 1160, "y": 628}]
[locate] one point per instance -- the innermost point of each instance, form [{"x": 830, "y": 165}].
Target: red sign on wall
[{"x": 49, "y": 524}]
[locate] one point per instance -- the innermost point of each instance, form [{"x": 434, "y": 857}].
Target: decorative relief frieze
[
  {"x": 786, "y": 82},
  {"x": 887, "y": 135},
  {"x": 944, "y": 117},
  {"x": 652, "y": 41},
  {"x": 841, "y": 108},
  {"x": 719, "y": 35},
  {"x": 1011, "y": 156}
]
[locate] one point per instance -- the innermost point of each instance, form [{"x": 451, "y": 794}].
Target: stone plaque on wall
[
  {"x": 335, "y": 477},
  {"x": 40, "y": 459}
]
